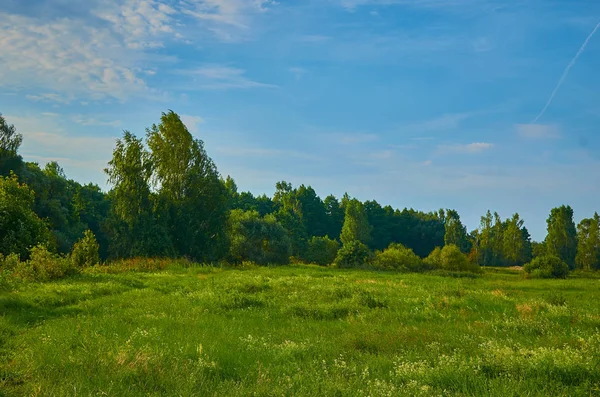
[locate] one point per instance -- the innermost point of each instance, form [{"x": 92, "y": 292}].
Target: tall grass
[{"x": 159, "y": 328}]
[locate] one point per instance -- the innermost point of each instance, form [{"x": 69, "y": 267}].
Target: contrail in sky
[{"x": 565, "y": 73}]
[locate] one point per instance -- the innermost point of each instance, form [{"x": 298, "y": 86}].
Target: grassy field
[{"x": 300, "y": 330}]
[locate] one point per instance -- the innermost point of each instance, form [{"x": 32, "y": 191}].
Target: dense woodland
[{"x": 167, "y": 199}]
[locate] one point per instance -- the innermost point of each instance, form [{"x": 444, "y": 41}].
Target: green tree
[
  {"x": 537, "y": 249},
  {"x": 291, "y": 216},
  {"x": 258, "y": 239},
  {"x": 191, "y": 195},
  {"x": 497, "y": 241},
  {"x": 91, "y": 207},
  {"x": 455, "y": 231},
  {"x": 547, "y": 266},
  {"x": 516, "y": 245},
  {"x": 353, "y": 254},
  {"x": 485, "y": 249},
  {"x": 20, "y": 227},
  {"x": 10, "y": 142},
  {"x": 314, "y": 214},
  {"x": 356, "y": 225},
  {"x": 134, "y": 231},
  {"x": 398, "y": 257},
  {"x": 321, "y": 250},
  {"x": 561, "y": 239},
  {"x": 380, "y": 221},
  {"x": 86, "y": 251},
  {"x": 335, "y": 216},
  {"x": 588, "y": 245}
]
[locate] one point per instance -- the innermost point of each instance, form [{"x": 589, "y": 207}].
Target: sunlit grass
[{"x": 298, "y": 330}]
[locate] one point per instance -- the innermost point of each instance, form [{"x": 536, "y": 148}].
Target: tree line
[{"x": 167, "y": 199}]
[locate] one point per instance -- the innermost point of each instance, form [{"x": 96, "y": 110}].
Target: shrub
[
  {"x": 547, "y": 266},
  {"x": 257, "y": 239},
  {"x": 451, "y": 258},
  {"x": 86, "y": 251},
  {"x": 352, "y": 254},
  {"x": 435, "y": 258},
  {"x": 321, "y": 250},
  {"x": 43, "y": 265},
  {"x": 398, "y": 257},
  {"x": 9, "y": 263}
]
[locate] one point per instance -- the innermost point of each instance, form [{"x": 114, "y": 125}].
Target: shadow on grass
[{"x": 20, "y": 312}]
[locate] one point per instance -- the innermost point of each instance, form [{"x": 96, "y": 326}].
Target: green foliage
[
  {"x": 10, "y": 142},
  {"x": 86, "y": 251},
  {"x": 455, "y": 231},
  {"x": 321, "y": 250},
  {"x": 257, "y": 239},
  {"x": 588, "y": 243},
  {"x": 356, "y": 224},
  {"x": 135, "y": 230},
  {"x": 44, "y": 265},
  {"x": 498, "y": 243},
  {"x": 353, "y": 254},
  {"x": 451, "y": 258},
  {"x": 20, "y": 227},
  {"x": 398, "y": 257},
  {"x": 561, "y": 239},
  {"x": 548, "y": 266},
  {"x": 537, "y": 249},
  {"x": 193, "y": 200}
]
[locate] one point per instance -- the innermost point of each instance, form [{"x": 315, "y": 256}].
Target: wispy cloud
[
  {"x": 192, "y": 122},
  {"x": 227, "y": 19},
  {"x": 314, "y": 38},
  {"x": 48, "y": 97},
  {"x": 298, "y": 71},
  {"x": 104, "y": 51},
  {"x": 475, "y": 147},
  {"x": 444, "y": 122},
  {"x": 538, "y": 131},
  {"x": 261, "y": 152},
  {"x": 217, "y": 77},
  {"x": 352, "y": 138},
  {"x": 88, "y": 121}
]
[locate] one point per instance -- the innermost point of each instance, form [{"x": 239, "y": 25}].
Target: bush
[
  {"x": 352, "y": 254},
  {"x": 451, "y": 258},
  {"x": 547, "y": 266},
  {"x": 86, "y": 251},
  {"x": 257, "y": 239},
  {"x": 321, "y": 250},
  {"x": 9, "y": 263},
  {"x": 43, "y": 265},
  {"x": 398, "y": 257}
]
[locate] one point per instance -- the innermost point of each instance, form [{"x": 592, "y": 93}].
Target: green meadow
[{"x": 299, "y": 330}]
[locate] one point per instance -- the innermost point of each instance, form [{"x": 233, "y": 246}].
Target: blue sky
[{"x": 422, "y": 104}]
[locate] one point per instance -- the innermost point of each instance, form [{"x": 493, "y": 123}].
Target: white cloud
[
  {"x": 192, "y": 122},
  {"x": 139, "y": 22},
  {"x": 248, "y": 151},
  {"x": 538, "y": 131},
  {"x": 83, "y": 156},
  {"x": 475, "y": 147},
  {"x": 229, "y": 20},
  {"x": 107, "y": 50},
  {"x": 85, "y": 120},
  {"x": 66, "y": 56},
  {"x": 298, "y": 71},
  {"x": 217, "y": 77},
  {"x": 444, "y": 122},
  {"x": 314, "y": 38},
  {"x": 48, "y": 97},
  {"x": 353, "y": 139}
]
